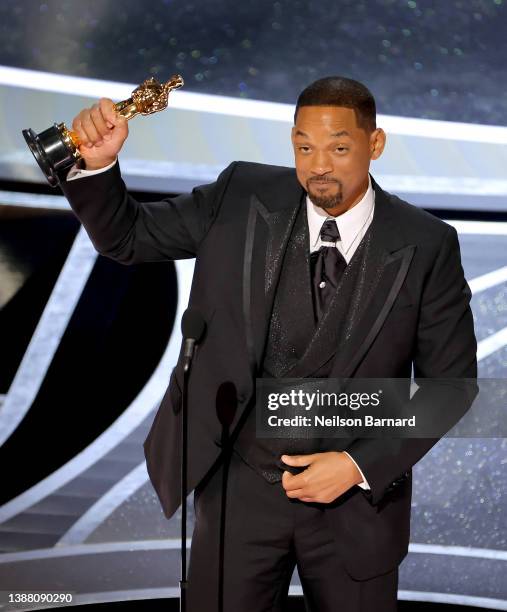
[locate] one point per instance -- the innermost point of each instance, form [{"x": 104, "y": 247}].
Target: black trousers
[{"x": 248, "y": 538}]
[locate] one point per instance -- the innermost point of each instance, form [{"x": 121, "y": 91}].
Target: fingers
[
  {"x": 117, "y": 124},
  {"x": 77, "y": 128},
  {"x": 307, "y": 492},
  {"x": 297, "y": 494},
  {"x": 297, "y": 491},
  {"x": 293, "y": 483},
  {"x": 85, "y": 128},
  {"x": 91, "y": 125},
  {"x": 298, "y": 460},
  {"x": 108, "y": 113},
  {"x": 300, "y": 486},
  {"x": 100, "y": 123},
  {"x": 95, "y": 125}
]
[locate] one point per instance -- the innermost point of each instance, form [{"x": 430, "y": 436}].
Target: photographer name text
[{"x": 336, "y": 421}]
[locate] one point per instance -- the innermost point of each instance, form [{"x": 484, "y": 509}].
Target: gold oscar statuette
[{"x": 57, "y": 148}]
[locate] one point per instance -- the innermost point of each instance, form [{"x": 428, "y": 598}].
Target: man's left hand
[{"x": 327, "y": 476}]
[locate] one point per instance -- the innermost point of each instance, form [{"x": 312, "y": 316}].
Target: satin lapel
[
  {"x": 396, "y": 257},
  {"x": 393, "y": 274},
  {"x": 267, "y": 235}
]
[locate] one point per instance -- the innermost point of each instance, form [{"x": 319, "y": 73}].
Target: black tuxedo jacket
[{"x": 237, "y": 229}]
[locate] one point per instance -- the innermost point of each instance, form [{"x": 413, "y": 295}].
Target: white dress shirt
[
  {"x": 76, "y": 172},
  {"x": 352, "y": 226}
]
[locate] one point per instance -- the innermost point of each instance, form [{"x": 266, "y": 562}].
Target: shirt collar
[{"x": 349, "y": 223}]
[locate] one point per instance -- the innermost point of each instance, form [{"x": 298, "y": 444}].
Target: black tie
[{"x": 328, "y": 265}]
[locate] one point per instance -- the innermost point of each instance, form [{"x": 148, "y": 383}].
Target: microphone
[{"x": 193, "y": 326}]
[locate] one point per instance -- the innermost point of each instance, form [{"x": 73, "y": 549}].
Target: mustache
[{"x": 323, "y": 180}]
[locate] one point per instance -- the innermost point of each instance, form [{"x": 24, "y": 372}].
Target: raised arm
[{"x": 119, "y": 226}]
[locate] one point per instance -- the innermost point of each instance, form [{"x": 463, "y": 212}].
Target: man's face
[{"x": 332, "y": 155}]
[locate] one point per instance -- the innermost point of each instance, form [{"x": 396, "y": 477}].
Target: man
[{"x": 315, "y": 272}]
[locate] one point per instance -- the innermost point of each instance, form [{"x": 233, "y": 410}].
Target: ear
[{"x": 377, "y": 143}]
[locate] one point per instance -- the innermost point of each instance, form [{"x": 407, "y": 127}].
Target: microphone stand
[
  {"x": 226, "y": 406},
  {"x": 193, "y": 327},
  {"x": 184, "y": 451}
]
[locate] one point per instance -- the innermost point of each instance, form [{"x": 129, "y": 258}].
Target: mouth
[{"x": 323, "y": 183}]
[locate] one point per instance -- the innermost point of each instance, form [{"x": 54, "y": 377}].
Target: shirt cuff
[
  {"x": 364, "y": 485},
  {"x": 77, "y": 172}
]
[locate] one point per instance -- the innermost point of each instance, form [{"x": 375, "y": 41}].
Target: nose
[{"x": 321, "y": 164}]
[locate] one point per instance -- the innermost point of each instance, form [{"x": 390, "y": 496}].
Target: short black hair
[{"x": 341, "y": 91}]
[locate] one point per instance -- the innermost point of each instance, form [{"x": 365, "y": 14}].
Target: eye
[
  {"x": 303, "y": 148},
  {"x": 341, "y": 149}
]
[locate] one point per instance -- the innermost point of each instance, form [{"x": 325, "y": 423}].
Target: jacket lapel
[
  {"x": 391, "y": 257},
  {"x": 392, "y": 272},
  {"x": 270, "y": 221}
]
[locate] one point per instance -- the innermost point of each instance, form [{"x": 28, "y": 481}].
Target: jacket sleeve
[
  {"x": 446, "y": 347},
  {"x": 129, "y": 231}
]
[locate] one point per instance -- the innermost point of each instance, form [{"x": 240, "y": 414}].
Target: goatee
[{"x": 325, "y": 201}]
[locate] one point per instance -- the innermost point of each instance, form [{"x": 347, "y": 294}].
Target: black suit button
[
  {"x": 397, "y": 482},
  {"x": 391, "y": 487}
]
